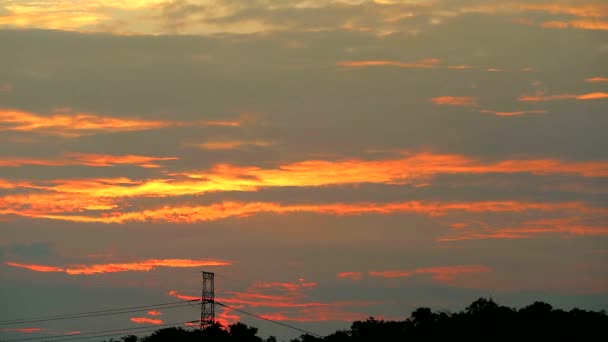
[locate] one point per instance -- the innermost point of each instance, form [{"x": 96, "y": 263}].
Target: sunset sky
[{"x": 329, "y": 160}]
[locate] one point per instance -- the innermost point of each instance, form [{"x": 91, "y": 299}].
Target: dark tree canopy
[{"x": 483, "y": 320}]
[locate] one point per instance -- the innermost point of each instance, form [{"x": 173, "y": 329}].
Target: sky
[{"x": 328, "y": 160}]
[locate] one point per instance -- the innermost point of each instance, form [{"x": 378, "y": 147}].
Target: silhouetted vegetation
[{"x": 482, "y": 320}]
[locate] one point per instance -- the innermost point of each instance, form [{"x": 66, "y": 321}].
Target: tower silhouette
[{"x": 208, "y": 300}]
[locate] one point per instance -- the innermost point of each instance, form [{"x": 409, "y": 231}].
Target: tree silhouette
[{"x": 482, "y": 320}]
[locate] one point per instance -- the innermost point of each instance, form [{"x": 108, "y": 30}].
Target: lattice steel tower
[{"x": 208, "y": 300}]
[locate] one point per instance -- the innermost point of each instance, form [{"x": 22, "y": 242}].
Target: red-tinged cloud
[
  {"x": 295, "y": 285},
  {"x": 577, "y": 24},
  {"x": 566, "y": 227},
  {"x": 351, "y": 275},
  {"x": 145, "y": 265},
  {"x": 227, "y": 317},
  {"x": 407, "y": 170},
  {"x": 592, "y": 96},
  {"x": 82, "y": 124},
  {"x": 428, "y": 63},
  {"x": 583, "y": 10},
  {"x": 37, "y": 268},
  {"x": 146, "y": 320},
  {"x": 321, "y": 314},
  {"x": 154, "y": 313},
  {"x": 596, "y": 79},
  {"x": 227, "y": 210},
  {"x": 86, "y": 159},
  {"x": 455, "y": 101},
  {"x": 105, "y": 200},
  {"x": 441, "y": 274},
  {"x": 50, "y": 203},
  {"x": 545, "y": 98},
  {"x": 22, "y": 330},
  {"x": 513, "y": 113},
  {"x": 289, "y": 297},
  {"x": 178, "y": 295}
]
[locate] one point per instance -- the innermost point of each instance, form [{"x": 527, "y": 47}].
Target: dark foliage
[{"x": 483, "y": 320}]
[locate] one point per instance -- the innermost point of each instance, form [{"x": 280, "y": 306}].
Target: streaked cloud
[
  {"x": 455, "y": 101},
  {"x": 224, "y": 210},
  {"x": 351, "y": 275},
  {"x": 86, "y": 159},
  {"x": 428, "y": 63},
  {"x": 232, "y": 144},
  {"x": 578, "y": 9},
  {"x": 138, "y": 266},
  {"x": 37, "y": 268},
  {"x": 407, "y": 170},
  {"x": 71, "y": 125},
  {"x": 382, "y": 18},
  {"x": 440, "y": 274},
  {"x": 154, "y": 313},
  {"x": 290, "y": 297},
  {"x": 513, "y": 113},
  {"x": 568, "y": 227},
  {"x": 596, "y": 79},
  {"x": 22, "y": 330},
  {"x": 146, "y": 320},
  {"x": 543, "y": 98},
  {"x": 577, "y": 24},
  {"x": 178, "y": 295}
]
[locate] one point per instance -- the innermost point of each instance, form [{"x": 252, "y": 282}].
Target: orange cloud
[
  {"x": 577, "y": 24},
  {"x": 224, "y": 210},
  {"x": 111, "y": 160},
  {"x": 441, "y": 274},
  {"x": 154, "y": 313},
  {"x": 288, "y": 296},
  {"x": 145, "y": 265},
  {"x": 213, "y": 212},
  {"x": 176, "y": 294},
  {"x": 225, "y": 177},
  {"x": 318, "y": 314},
  {"x": 543, "y": 98},
  {"x": 456, "y": 101},
  {"x": 514, "y": 113},
  {"x": 428, "y": 63},
  {"x": 589, "y": 10},
  {"x": 146, "y": 320},
  {"x": 351, "y": 275},
  {"x": 570, "y": 226},
  {"x": 596, "y": 79},
  {"x": 106, "y": 199},
  {"x": 87, "y": 159},
  {"x": 30, "y": 204},
  {"x": 592, "y": 96},
  {"x": 37, "y": 268},
  {"x": 227, "y": 317},
  {"x": 82, "y": 124}
]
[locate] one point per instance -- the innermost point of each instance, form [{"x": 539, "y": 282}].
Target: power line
[
  {"x": 168, "y": 305},
  {"x": 96, "y": 333},
  {"x": 268, "y": 319}
]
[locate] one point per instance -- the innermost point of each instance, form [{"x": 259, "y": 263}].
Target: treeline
[{"x": 483, "y": 320}]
